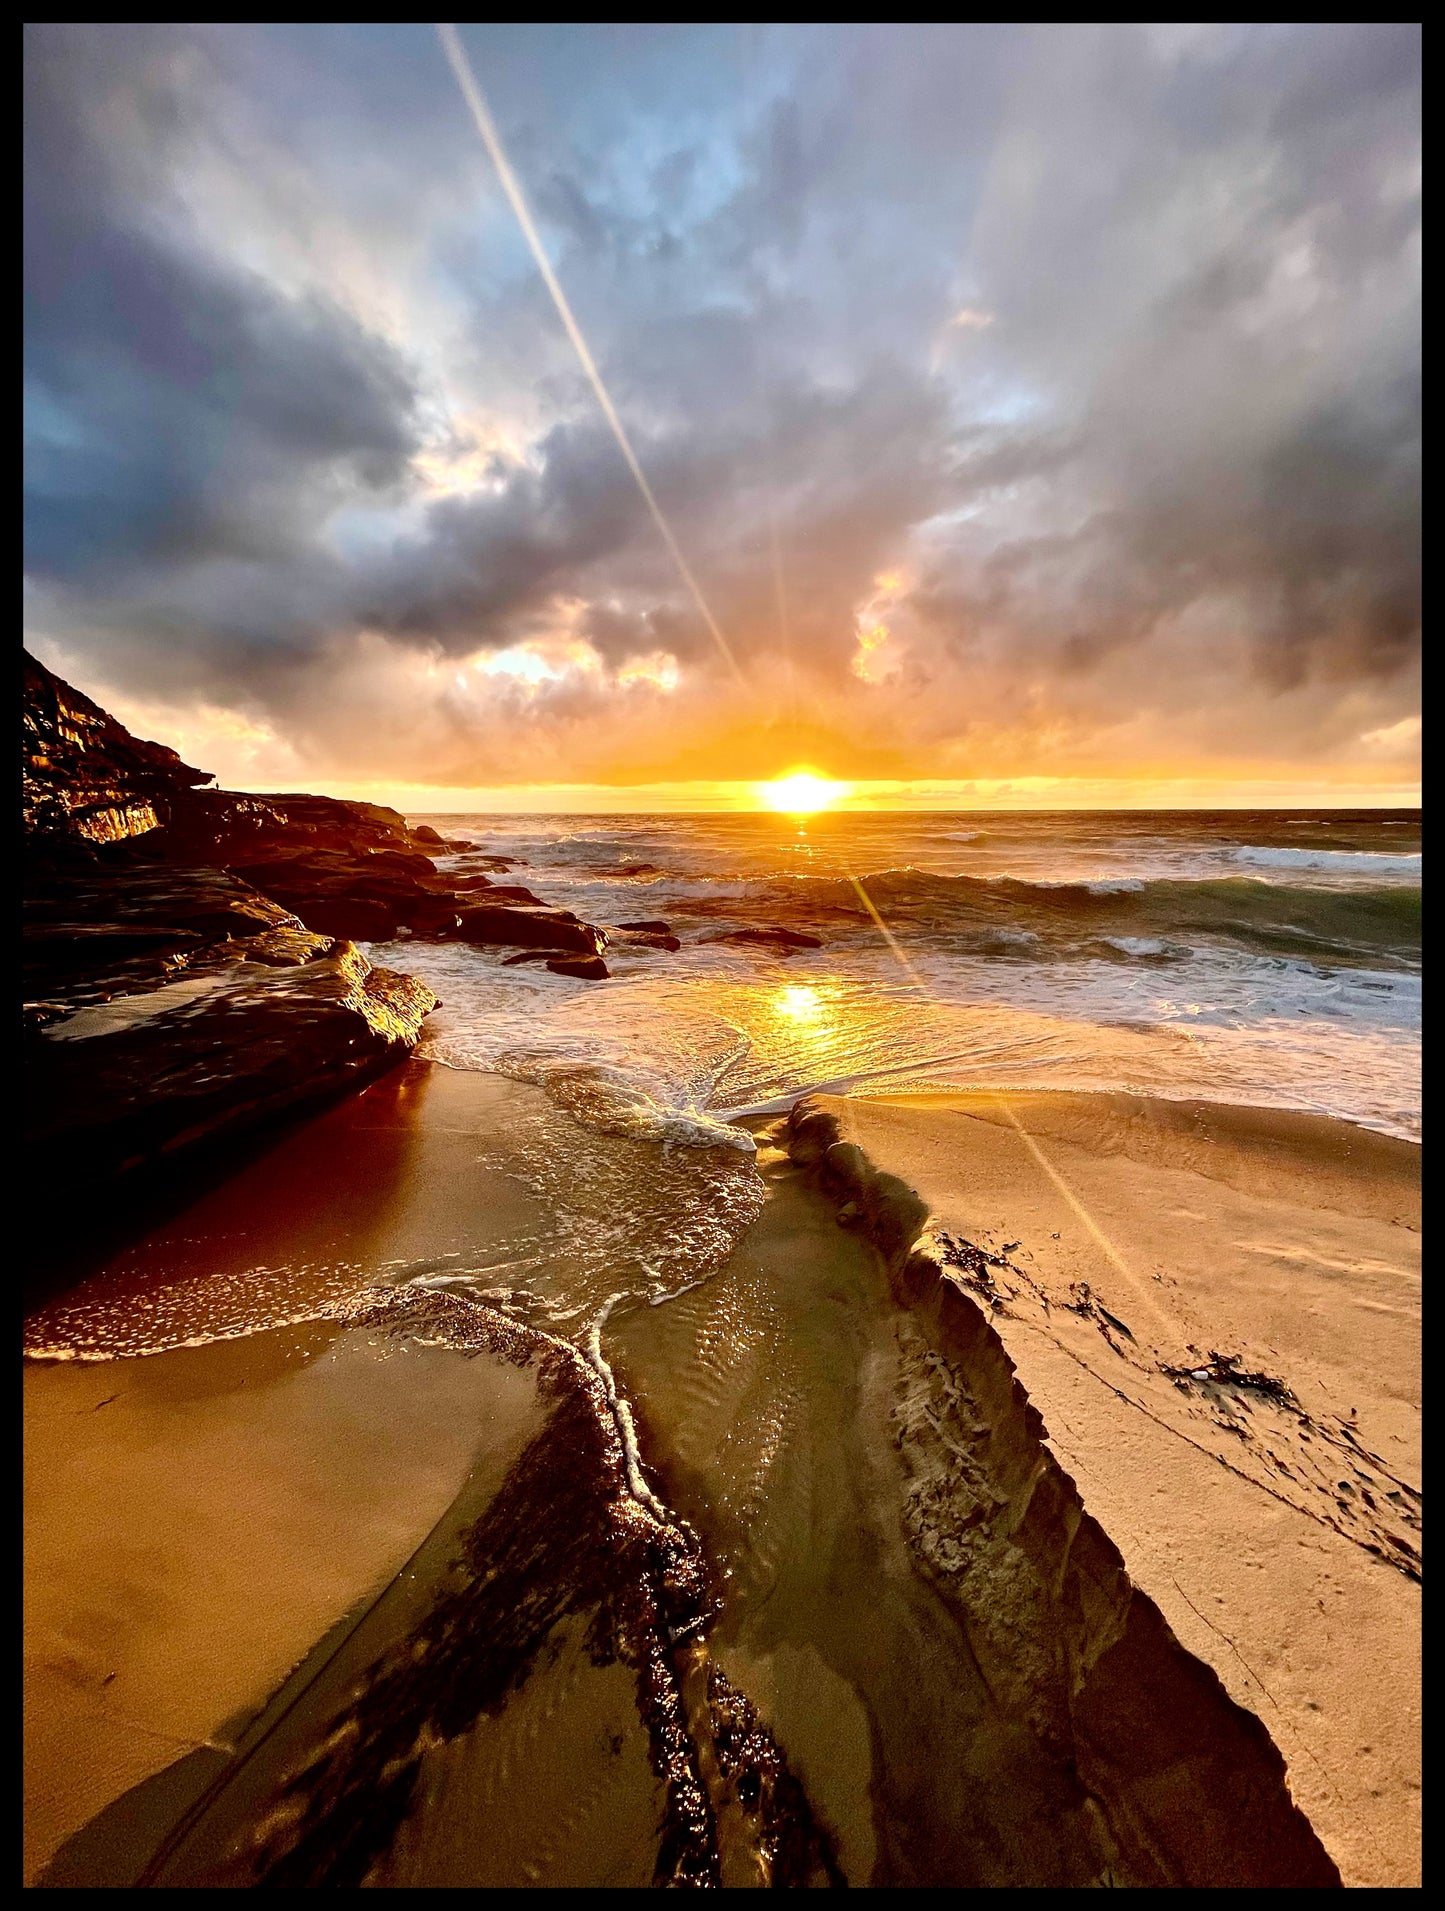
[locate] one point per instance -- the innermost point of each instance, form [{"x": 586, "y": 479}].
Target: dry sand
[{"x": 1293, "y": 1242}]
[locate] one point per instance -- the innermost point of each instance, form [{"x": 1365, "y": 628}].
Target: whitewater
[{"x": 1252, "y": 958}]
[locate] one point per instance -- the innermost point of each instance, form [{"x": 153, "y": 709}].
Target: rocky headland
[{"x": 190, "y": 959}]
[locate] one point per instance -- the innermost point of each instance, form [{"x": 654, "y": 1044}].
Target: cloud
[
  {"x": 1102, "y": 341},
  {"x": 180, "y": 407}
]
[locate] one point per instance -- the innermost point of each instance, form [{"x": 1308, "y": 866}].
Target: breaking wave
[{"x": 1362, "y": 924}]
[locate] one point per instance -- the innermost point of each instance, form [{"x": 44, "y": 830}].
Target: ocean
[
  {"x": 1261, "y": 959},
  {"x": 1250, "y": 957}
]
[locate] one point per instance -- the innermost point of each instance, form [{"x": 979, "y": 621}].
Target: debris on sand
[
  {"x": 1088, "y": 1306},
  {"x": 1227, "y": 1370},
  {"x": 970, "y": 1265}
]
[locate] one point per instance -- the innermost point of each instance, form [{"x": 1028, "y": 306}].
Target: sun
[{"x": 800, "y": 793}]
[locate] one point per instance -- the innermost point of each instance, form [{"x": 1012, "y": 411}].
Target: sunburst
[{"x": 801, "y": 793}]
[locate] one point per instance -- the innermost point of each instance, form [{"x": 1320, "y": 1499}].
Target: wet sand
[
  {"x": 197, "y": 1519},
  {"x": 278, "y": 1544}
]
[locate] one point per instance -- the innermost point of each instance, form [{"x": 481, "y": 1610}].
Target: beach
[
  {"x": 1293, "y": 1243},
  {"x": 314, "y": 1385},
  {"x": 722, "y": 956}
]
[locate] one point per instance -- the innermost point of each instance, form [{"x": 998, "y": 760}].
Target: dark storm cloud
[
  {"x": 179, "y": 407},
  {"x": 1223, "y": 296},
  {"x": 1103, "y": 340},
  {"x": 573, "y": 524}
]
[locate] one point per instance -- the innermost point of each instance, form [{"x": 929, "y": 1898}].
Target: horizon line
[{"x": 921, "y": 797}]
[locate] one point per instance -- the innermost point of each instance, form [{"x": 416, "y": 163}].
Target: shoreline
[{"x": 406, "y": 1151}]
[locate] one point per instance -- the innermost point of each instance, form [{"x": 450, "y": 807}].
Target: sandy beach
[
  {"x": 1272, "y": 1539},
  {"x": 216, "y": 1532},
  {"x": 722, "y": 956}
]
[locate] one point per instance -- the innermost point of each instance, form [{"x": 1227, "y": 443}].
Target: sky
[{"x": 1033, "y": 412}]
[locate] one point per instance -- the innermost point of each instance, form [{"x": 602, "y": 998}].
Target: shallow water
[{"x": 1248, "y": 958}]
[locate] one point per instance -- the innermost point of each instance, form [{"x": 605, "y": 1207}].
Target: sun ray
[{"x": 472, "y": 93}]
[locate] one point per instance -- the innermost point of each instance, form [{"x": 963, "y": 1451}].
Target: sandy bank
[
  {"x": 198, "y": 1520},
  {"x": 1276, "y": 1538}
]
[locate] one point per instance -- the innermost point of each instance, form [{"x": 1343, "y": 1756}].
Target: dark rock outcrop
[
  {"x": 512, "y": 892},
  {"x": 585, "y": 968},
  {"x": 168, "y": 998},
  {"x": 643, "y": 938},
  {"x": 234, "y": 829},
  {"x": 91, "y": 934},
  {"x": 343, "y": 868},
  {"x": 433, "y": 839},
  {"x": 784, "y": 939},
  {"x": 188, "y": 951},
  {"x": 249, "y": 1030},
  {"x": 208, "y": 903},
  {"x": 369, "y": 893},
  {"x": 561, "y": 962},
  {"x": 522, "y": 926}
]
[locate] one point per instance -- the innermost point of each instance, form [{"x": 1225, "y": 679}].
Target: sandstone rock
[
  {"x": 435, "y": 915},
  {"x": 536, "y": 927},
  {"x": 588, "y": 968},
  {"x": 245, "y": 1035},
  {"x": 644, "y": 939},
  {"x": 212, "y": 902},
  {"x": 432, "y": 840},
  {"x": 84, "y": 776},
  {"x": 356, "y": 918},
  {"x": 365, "y": 894},
  {"x": 512, "y": 892},
  {"x": 332, "y": 822},
  {"x": 215, "y": 826},
  {"x": 137, "y": 873},
  {"x": 231, "y": 828},
  {"x": 171, "y": 1000},
  {"x": 285, "y": 948},
  {"x": 653, "y": 926},
  {"x": 94, "y": 933}
]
